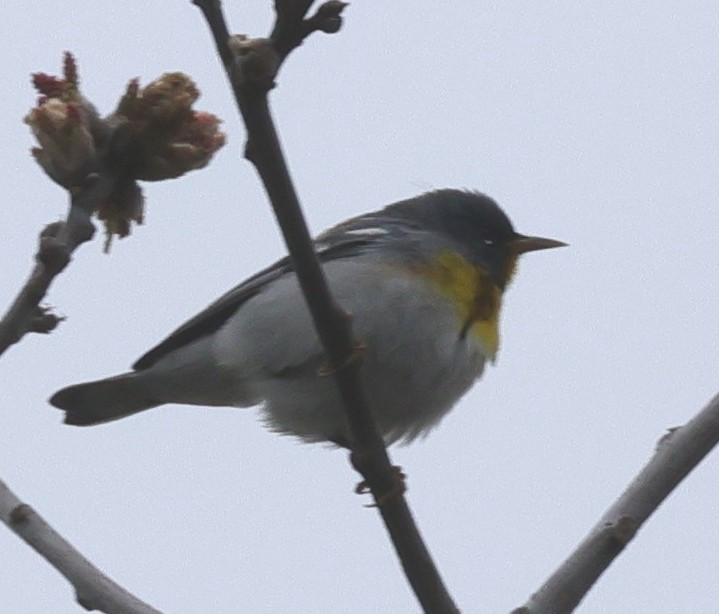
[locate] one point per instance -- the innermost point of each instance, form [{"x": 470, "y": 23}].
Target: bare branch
[
  {"x": 677, "y": 454},
  {"x": 292, "y": 27},
  {"x": 251, "y": 65},
  {"x": 93, "y": 589},
  {"x": 57, "y": 243}
]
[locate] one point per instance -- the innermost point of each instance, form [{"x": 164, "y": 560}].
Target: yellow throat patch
[{"x": 476, "y": 298}]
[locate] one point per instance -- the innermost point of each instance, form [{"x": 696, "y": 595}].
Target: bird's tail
[{"x": 104, "y": 400}]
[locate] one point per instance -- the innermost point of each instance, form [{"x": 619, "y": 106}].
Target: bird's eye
[{"x": 488, "y": 242}]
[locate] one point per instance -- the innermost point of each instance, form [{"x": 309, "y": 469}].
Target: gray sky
[{"x": 590, "y": 122}]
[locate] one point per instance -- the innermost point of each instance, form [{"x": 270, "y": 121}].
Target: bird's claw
[
  {"x": 358, "y": 348},
  {"x": 397, "y": 489}
]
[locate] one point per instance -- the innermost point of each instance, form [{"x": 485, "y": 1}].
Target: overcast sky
[{"x": 590, "y": 122}]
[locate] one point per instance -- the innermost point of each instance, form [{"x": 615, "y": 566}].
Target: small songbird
[{"x": 422, "y": 280}]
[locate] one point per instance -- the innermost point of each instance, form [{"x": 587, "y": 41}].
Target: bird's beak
[{"x": 522, "y": 244}]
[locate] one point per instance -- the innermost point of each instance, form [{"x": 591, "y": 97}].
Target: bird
[{"x": 422, "y": 280}]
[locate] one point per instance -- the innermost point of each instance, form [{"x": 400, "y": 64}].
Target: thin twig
[
  {"x": 93, "y": 589},
  {"x": 292, "y": 28},
  {"x": 677, "y": 454},
  {"x": 57, "y": 243},
  {"x": 252, "y": 65}
]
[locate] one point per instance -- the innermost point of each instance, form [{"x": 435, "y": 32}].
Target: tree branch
[
  {"x": 252, "y": 65},
  {"x": 153, "y": 135},
  {"x": 677, "y": 454},
  {"x": 57, "y": 243},
  {"x": 93, "y": 589},
  {"x": 292, "y": 28}
]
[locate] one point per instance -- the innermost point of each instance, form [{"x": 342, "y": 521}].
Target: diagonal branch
[
  {"x": 93, "y": 589},
  {"x": 677, "y": 454},
  {"x": 251, "y": 65},
  {"x": 57, "y": 243}
]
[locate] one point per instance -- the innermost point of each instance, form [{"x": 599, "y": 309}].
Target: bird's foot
[
  {"x": 397, "y": 488},
  {"x": 358, "y": 348}
]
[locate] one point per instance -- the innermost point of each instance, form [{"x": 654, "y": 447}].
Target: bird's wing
[{"x": 331, "y": 246}]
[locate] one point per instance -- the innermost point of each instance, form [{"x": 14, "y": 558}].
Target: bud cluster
[{"x": 154, "y": 134}]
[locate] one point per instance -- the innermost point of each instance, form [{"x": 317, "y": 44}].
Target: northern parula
[{"x": 422, "y": 280}]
